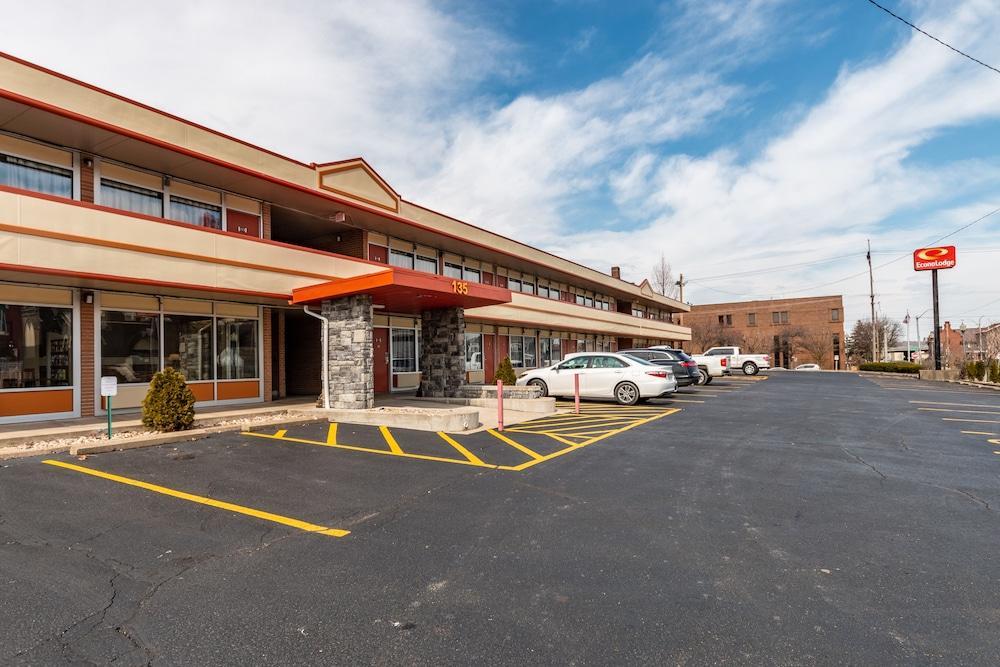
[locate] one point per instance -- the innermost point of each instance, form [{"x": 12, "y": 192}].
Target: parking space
[{"x": 971, "y": 411}]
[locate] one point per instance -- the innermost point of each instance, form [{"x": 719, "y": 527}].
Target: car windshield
[{"x": 684, "y": 356}]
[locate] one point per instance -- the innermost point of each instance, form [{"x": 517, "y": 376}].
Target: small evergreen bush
[
  {"x": 506, "y": 373},
  {"x": 169, "y": 404},
  {"x": 974, "y": 370},
  {"x": 994, "y": 375},
  {"x": 891, "y": 367}
]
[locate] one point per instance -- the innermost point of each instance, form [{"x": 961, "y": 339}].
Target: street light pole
[{"x": 920, "y": 354}]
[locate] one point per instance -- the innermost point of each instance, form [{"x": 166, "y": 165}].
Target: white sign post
[{"x": 109, "y": 388}]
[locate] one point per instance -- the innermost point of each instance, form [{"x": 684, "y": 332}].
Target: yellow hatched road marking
[
  {"x": 202, "y": 500},
  {"x": 331, "y": 434},
  {"x": 368, "y": 450},
  {"x": 576, "y": 427},
  {"x": 391, "y": 441},
  {"x": 281, "y": 433},
  {"x": 465, "y": 452},
  {"x": 516, "y": 445},
  {"x": 974, "y": 412},
  {"x": 582, "y": 419}
]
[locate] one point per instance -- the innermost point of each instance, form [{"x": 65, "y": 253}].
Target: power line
[{"x": 924, "y": 32}]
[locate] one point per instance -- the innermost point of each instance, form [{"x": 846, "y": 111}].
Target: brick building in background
[{"x": 792, "y": 331}]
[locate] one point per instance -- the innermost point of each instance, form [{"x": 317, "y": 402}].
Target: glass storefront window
[
  {"x": 529, "y": 351},
  {"x": 473, "y": 352},
  {"x": 404, "y": 351},
  {"x": 517, "y": 351},
  {"x": 453, "y": 270},
  {"x": 130, "y": 345},
  {"x": 551, "y": 351},
  {"x": 236, "y": 349},
  {"x": 36, "y": 347},
  {"x": 187, "y": 345},
  {"x": 35, "y": 176},
  {"x": 473, "y": 275},
  {"x": 131, "y": 198},
  {"x": 195, "y": 212}
]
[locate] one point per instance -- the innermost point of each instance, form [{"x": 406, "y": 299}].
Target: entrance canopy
[{"x": 406, "y": 292}]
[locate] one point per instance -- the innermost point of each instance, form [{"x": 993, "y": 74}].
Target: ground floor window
[
  {"x": 473, "y": 352},
  {"x": 523, "y": 351},
  {"x": 551, "y": 350},
  {"x": 130, "y": 345},
  {"x": 135, "y": 345},
  {"x": 236, "y": 349},
  {"x": 404, "y": 351},
  {"x": 36, "y": 344}
]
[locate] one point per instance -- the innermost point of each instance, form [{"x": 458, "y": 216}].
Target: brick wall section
[
  {"x": 350, "y": 356},
  {"x": 267, "y": 343},
  {"x": 351, "y": 243},
  {"x": 86, "y": 179},
  {"x": 809, "y": 318},
  {"x": 86, "y": 359},
  {"x": 265, "y": 220},
  {"x": 280, "y": 342},
  {"x": 442, "y": 351}
]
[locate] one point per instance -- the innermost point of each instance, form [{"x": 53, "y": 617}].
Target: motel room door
[
  {"x": 380, "y": 367},
  {"x": 489, "y": 358}
]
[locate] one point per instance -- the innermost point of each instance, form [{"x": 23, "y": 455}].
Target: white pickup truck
[{"x": 749, "y": 364}]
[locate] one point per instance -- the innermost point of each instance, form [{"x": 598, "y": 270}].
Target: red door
[
  {"x": 489, "y": 358},
  {"x": 377, "y": 253},
  {"x": 380, "y": 350},
  {"x": 568, "y": 346},
  {"x": 503, "y": 348}
]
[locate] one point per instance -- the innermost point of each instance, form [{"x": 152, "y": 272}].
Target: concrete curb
[
  {"x": 452, "y": 420},
  {"x": 973, "y": 383},
  {"x": 905, "y": 376},
  {"x": 545, "y": 405}
]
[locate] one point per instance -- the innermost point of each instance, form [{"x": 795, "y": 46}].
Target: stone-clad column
[
  {"x": 349, "y": 362},
  {"x": 442, "y": 351}
]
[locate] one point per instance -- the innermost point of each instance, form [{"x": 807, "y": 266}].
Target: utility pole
[
  {"x": 680, "y": 284},
  {"x": 909, "y": 350},
  {"x": 871, "y": 284}
]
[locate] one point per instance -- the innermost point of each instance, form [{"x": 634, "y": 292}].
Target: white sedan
[
  {"x": 808, "y": 367},
  {"x": 626, "y": 379}
]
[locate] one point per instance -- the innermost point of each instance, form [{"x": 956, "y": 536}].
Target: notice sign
[
  {"x": 930, "y": 259},
  {"x": 109, "y": 385}
]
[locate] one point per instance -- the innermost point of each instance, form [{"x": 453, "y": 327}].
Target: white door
[
  {"x": 560, "y": 380},
  {"x": 603, "y": 376}
]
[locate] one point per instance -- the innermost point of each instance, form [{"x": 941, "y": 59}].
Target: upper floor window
[
  {"x": 513, "y": 284},
  {"x": 779, "y": 317},
  {"x": 195, "y": 212},
  {"x": 401, "y": 258},
  {"x": 637, "y": 313},
  {"x": 131, "y": 198},
  {"x": 472, "y": 275},
  {"x": 527, "y": 288},
  {"x": 835, "y": 314},
  {"x": 726, "y": 320},
  {"x": 581, "y": 300},
  {"x": 427, "y": 264},
  {"x": 553, "y": 293},
  {"x": 36, "y": 176},
  {"x": 453, "y": 270},
  {"x": 543, "y": 291},
  {"x": 751, "y": 319}
]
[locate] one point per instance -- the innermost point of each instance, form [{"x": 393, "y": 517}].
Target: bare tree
[
  {"x": 663, "y": 278},
  {"x": 755, "y": 342},
  {"x": 707, "y": 334},
  {"x": 816, "y": 346},
  {"x": 991, "y": 342}
]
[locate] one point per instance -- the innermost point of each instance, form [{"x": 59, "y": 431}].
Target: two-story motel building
[{"x": 132, "y": 240}]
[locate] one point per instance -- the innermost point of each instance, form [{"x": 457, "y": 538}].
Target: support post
[
  {"x": 500, "y": 405},
  {"x": 937, "y": 322},
  {"x": 109, "y": 417},
  {"x": 576, "y": 392}
]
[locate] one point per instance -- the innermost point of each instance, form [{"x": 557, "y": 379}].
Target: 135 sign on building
[{"x": 929, "y": 259}]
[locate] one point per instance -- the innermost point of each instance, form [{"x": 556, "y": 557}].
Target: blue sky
[{"x": 731, "y": 136}]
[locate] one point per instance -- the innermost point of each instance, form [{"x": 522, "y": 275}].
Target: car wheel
[
  {"x": 541, "y": 385},
  {"x": 750, "y": 368},
  {"x": 703, "y": 376},
  {"x": 627, "y": 394},
  {"x": 709, "y": 380}
]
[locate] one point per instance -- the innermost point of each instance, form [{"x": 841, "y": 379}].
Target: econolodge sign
[{"x": 930, "y": 259}]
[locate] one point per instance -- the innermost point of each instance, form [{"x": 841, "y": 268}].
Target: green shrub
[
  {"x": 506, "y": 372},
  {"x": 974, "y": 370},
  {"x": 891, "y": 367},
  {"x": 994, "y": 375},
  {"x": 169, "y": 404}
]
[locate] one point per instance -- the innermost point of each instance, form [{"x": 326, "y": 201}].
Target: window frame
[
  {"x": 402, "y": 253},
  {"x": 417, "y": 257}
]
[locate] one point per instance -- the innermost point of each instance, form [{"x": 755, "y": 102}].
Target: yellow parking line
[
  {"x": 978, "y": 433},
  {"x": 391, "y": 441},
  {"x": 202, "y": 500},
  {"x": 465, "y": 452},
  {"x": 567, "y": 428},
  {"x": 280, "y": 433},
  {"x": 516, "y": 445},
  {"x": 956, "y": 405},
  {"x": 684, "y": 400},
  {"x": 331, "y": 434},
  {"x": 974, "y": 412},
  {"x": 369, "y": 450},
  {"x": 976, "y": 421},
  {"x": 700, "y": 393}
]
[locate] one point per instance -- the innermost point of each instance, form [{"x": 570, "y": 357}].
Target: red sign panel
[{"x": 928, "y": 259}]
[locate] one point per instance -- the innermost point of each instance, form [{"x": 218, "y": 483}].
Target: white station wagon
[{"x": 626, "y": 379}]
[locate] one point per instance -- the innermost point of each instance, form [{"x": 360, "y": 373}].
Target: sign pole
[
  {"x": 937, "y": 322},
  {"x": 109, "y": 389},
  {"x": 109, "y": 417}
]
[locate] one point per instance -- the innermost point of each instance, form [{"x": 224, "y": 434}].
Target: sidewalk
[{"x": 15, "y": 434}]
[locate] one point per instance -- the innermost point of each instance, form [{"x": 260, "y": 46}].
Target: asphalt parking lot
[{"x": 805, "y": 518}]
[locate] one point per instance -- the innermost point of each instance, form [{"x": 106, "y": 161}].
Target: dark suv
[{"x": 684, "y": 367}]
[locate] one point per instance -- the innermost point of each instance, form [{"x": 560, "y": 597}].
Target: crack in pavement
[{"x": 865, "y": 463}]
